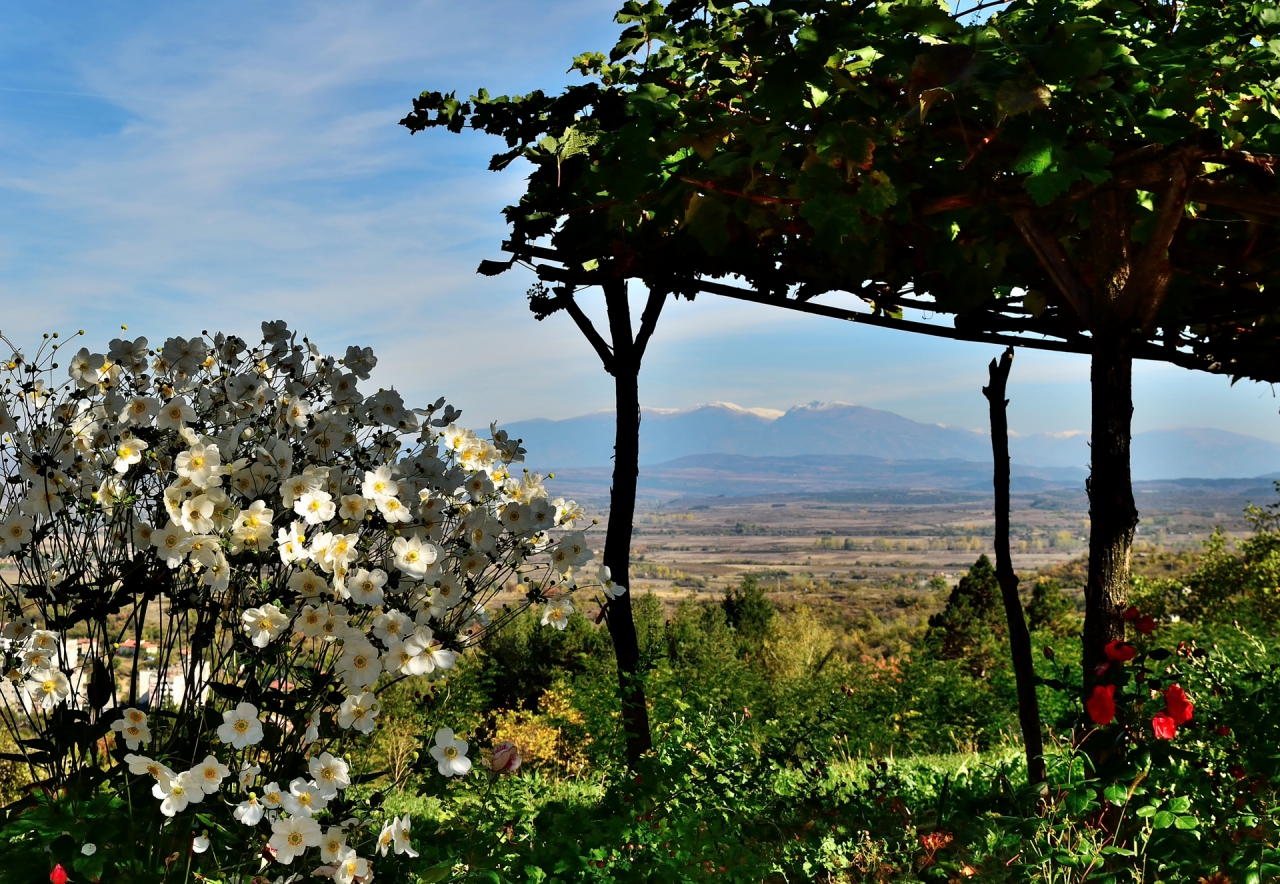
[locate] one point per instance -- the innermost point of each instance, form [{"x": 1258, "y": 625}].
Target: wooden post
[{"x": 1019, "y": 638}]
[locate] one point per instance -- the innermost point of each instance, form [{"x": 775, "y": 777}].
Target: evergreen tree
[
  {"x": 748, "y": 610},
  {"x": 972, "y": 626},
  {"x": 1049, "y": 610}
]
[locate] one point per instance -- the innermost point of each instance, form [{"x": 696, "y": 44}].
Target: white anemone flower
[
  {"x": 209, "y": 774},
  {"x": 351, "y": 867},
  {"x": 330, "y": 773},
  {"x": 49, "y": 687},
  {"x": 611, "y": 590},
  {"x": 292, "y": 836},
  {"x": 335, "y": 839},
  {"x": 365, "y": 587},
  {"x": 450, "y": 754},
  {"x": 128, "y": 452},
  {"x": 176, "y": 413},
  {"x": 557, "y": 612},
  {"x": 304, "y": 798},
  {"x": 140, "y": 765},
  {"x": 359, "y": 712},
  {"x": 240, "y": 726},
  {"x": 413, "y": 556},
  {"x": 199, "y": 844},
  {"x": 176, "y": 792},
  {"x": 248, "y": 773},
  {"x": 315, "y": 507},
  {"x": 133, "y": 734},
  {"x": 272, "y": 796},
  {"x": 400, "y": 831},
  {"x": 263, "y": 625},
  {"x": 249, "y": 812},
  {"x": 15, "y": 532}
]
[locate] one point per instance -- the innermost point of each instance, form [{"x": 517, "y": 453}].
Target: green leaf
[
  {"x": 1180, "y": 804},
  {"x": 1035, "y": 159},
  {"x": 707, "y": 220},
  {"x": 1186, "y": 822},
  {"x": 1047, "y": 187},
  {"x": 1162, "y": 820},
  {"x": 1147, "y": 810},
  {"x": 1116, "y": 794}
]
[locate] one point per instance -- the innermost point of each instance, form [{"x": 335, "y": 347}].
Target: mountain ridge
[{"x": 841, "y": 429}]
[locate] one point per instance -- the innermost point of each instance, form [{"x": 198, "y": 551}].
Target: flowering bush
[{"x": 221, "y": 554}]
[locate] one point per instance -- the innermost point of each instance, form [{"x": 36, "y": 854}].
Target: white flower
[
  {"x": 248, "y": 773},
  {"x": 140, "y": 764},
  {"x": 390, "y": 625},
  {"x": 264, "y": 625},
  {"x": 176, "y": 792},
  {"x": 292, "y": 836},
  {"x": 89, "y": 848},
  {"x": 128, "y": 452},
  {"x": 240, "y": 726},
  {"x": 359, "y": 664},
  {"x": 350, "y": 867},
  {"x": 313, "y": 727},
  {"x": 304, "y": 798},
  {"x": 335, "y": 839},
  {"x": 296, "y": 411},
  {"x": 200, "y": 844},
  {"x": 196, "y": 514},
  {"x": 132, "y": 728},
  {"x": 170, "y": 544},
  {"x": 353, "y": 507},
  {"x": 292, "y": 543},
  {"x": 49, "y": 686},
  {"x": 365, "y": 587},
  {"x": 401, "y": 832},
  {"x": 413, "y": 556},
  {"x": 315, "y": 507},
  {"x": 393, "y": 510},
  {"x": 557, "y": 612},
  {"x": 450, "y": 754},
  {"x": 379, "y": 484},
  {"x": 272, "y": 796},
  {"x": 329, "y": 773},
  {"x": 387, "y": 837},
  {"x": 139, "y": 410},
  {"x": 252, "y": 527},
  {"x": 199, "y": 463},
  {"x": 176, "y": 413},
  {"x": 359, "y": 712},
  {"x": 209, "y": 774},
  {"x": 433, "y": 654},
  {"x": 611, "y": 590},
  {"x": 16, "y": 531},
  {"x": 248, "y": 811}
]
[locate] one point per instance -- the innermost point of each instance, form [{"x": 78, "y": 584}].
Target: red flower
[
  {"x": 1101, "y": 704},
  {"x": 1120, "y": 652},
  {"x": 1131, "y": 613},
  {"x": 1145, "y": 624},
  {"x": 1179, "y": 707},
  {"x": 58, "y": 875},
  {"x": 1164, "y": 726},
  {"x": 1224, "y": 731}
]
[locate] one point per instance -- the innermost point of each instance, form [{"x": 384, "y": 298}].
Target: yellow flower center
[
  {"x": 241, "y": 725},
  {"x": 295, "y": 839}
]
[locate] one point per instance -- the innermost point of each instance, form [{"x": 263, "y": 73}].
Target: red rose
[
  {"x": 1101, "y": 704},
  {"x": 1179, "y": 707},
  {"x": 1164, "y": 726},
  {"x": 1118, "y": 651},
  {"x": 58, "y": 875},
  {"x": 1131, "y": 613},
  {"x": 1145, "y": 624}
]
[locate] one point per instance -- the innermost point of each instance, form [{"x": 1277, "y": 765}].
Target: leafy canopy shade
[{"x": 1062, "y": 169}]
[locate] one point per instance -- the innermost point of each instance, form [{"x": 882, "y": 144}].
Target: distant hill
[{"x": 837, "y": 429}]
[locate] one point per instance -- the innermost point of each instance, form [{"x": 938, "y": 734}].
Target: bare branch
[
  {"x": 1055, "y": 263},
  {"x": 565, "y": 296},
  {"x": 649, "y": 320}
]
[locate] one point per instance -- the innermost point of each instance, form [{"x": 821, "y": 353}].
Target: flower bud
[{"x": 506, "y": 758}]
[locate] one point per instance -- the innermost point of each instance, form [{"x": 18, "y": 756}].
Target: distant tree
[
  {"x": 748, "y": 610},
  {"x": 971, "y": 628},
  {"x": 1050, "y": 610}
]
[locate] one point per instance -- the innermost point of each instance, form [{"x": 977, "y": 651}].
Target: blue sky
[{"x": 180, "y": 167}]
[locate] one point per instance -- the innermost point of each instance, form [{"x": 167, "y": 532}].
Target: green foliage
[
  {"x": 748, "y": 610},
  {"x": 972, "y": 626},
  {"x": 905, "y": 149},
  {"x": 1049, "y": 609}
]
